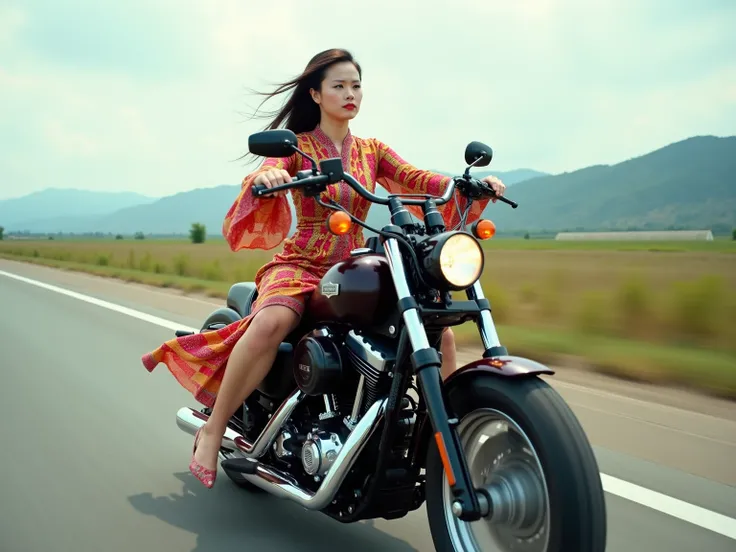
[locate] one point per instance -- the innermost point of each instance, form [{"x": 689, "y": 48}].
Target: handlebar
[{"x": 471, "y": 187}]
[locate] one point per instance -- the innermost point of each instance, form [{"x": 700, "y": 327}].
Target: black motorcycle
[{"x": 354, "y": 419}]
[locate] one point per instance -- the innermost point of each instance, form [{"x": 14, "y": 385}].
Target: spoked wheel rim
[{"x": 501, "y": 459}]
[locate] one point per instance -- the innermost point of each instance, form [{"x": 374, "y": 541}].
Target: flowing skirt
[{"x": 198, "y": 361}]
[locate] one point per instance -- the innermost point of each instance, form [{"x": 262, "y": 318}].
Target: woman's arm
[
  {"x": 398, "y": 176},
  {"x": 259, "y": 223}
]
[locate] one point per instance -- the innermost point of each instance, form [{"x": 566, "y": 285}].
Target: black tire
[{"x": 577, "y": 508}]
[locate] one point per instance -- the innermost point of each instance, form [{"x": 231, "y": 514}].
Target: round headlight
[{"x": 461, "y": 260}]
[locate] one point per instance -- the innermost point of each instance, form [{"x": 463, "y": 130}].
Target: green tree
[
  {"x": 139, "y": 236},
  {"x": 733, "y": 233},
  {"x": 197, "y": 233},
  {"x": 2, "y": 231}
]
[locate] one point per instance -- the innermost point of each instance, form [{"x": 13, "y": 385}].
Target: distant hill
[
  {"x": 79, "y": 212},
  {"x": 176, "y": 213},
  {"x": 508, "y": 177},
  {"x": 64, "y": 207},
  {"x": 688, "y": 184}
]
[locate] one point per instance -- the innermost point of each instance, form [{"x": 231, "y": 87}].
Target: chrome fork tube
[
  {"x": 486, "y": 326},
  {"x": 414, "y": 325}
]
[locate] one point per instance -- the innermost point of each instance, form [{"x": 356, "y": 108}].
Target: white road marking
[
  {"x": 676, "y": 508},
  {"x": 707, "y": 519},
  {"x": 168, "y": 324}
]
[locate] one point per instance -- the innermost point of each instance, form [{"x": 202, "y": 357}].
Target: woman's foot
[{"x": 204, "y": 457}]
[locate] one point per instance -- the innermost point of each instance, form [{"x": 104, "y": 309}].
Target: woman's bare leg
[
  {"x": 449, "y": 354},
  {"x": 249, "y": 363}
]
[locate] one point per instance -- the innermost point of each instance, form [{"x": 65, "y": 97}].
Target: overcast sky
[{"x": 150, "y": 95}]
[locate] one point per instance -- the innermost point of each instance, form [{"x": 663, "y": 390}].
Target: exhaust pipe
[
  {"x": 190, "y": 420},
  {"x": 283, "y": 485}
]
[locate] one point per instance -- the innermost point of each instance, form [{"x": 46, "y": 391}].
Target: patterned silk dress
[{"x": 198, "y": 361}]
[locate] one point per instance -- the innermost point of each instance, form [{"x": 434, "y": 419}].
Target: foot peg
[
  {"x": 183, "y": 333},
  {"x": 240, "y": 465}
]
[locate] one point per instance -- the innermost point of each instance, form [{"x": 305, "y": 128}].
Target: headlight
[{"x": 455, "y": 260}]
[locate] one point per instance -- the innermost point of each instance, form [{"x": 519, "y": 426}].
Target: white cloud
[{"x": 147, "y": 96}]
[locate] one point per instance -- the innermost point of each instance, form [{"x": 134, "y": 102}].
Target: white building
[{"x": 664, "y": 235}]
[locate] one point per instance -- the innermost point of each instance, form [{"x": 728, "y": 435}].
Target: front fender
[{"x": 506, "y": 366}]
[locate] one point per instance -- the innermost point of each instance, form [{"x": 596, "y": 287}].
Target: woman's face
[{"x": 341, "y": 92}]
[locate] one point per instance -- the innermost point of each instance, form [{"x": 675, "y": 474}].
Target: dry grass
[{"x": 621, "y": 305}]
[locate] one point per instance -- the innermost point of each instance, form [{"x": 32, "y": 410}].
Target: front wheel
[{"x": 525, "y": 446}]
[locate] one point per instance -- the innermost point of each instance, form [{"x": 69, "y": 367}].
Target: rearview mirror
[
  {"x": 273, "y": 143},
  {"x": 478, "y": 154}
]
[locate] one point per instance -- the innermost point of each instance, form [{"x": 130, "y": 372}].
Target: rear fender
[{"x": 223, "y": 315}]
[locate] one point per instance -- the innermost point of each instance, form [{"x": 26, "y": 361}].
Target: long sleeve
[
  {"x": 397, "y": 176},
  {"x": 259, "y": 222}
]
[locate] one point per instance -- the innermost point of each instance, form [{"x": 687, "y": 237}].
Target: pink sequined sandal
[{"x": 206, "y": 477}]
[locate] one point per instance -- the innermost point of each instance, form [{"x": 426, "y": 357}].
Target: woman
[{"x": 325, "y": 98}]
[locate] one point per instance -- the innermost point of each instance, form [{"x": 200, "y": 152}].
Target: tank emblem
[{"x": 330, "y": 290}]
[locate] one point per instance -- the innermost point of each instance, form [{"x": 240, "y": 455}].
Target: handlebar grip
[
  {"x": 513, "y": 204},
  {"x": 491, "y": 192},
  {"x": 258, "y": 189}
]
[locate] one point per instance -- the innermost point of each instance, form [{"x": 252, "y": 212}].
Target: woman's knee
[{"x": 273, "y": 324}]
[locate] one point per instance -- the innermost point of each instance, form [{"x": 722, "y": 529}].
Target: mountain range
[{"x": 688, "y": 184}]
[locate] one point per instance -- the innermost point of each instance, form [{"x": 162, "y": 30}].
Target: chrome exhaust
[
  {"x": 284, "y": 486},
  {"x": 190, "y": 420}
]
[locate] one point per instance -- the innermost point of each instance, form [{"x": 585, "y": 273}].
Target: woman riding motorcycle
[{"x": 325, "y": 98}]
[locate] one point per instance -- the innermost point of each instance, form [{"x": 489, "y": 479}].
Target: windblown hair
[{"x": 300, "y": 113}]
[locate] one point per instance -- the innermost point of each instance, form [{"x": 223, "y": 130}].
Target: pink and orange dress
[{"x": 198, "y": 361}]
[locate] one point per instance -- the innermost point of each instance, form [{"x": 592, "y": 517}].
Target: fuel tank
[{"x": 358, "y": 291}]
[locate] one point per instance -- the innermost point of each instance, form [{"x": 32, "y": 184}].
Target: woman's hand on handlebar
[
  {"x": 272, "y": 178},
  {"x": 496, "y": 185}
]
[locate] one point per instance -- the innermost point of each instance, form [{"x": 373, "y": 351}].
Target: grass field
[{"x": 653, "y": 311}]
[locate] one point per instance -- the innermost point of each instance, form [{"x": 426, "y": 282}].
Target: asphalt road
[{"x": 91, "y": 458}]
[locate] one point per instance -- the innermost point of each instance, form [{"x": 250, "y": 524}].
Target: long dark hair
[{"x": 300, "y": 113}]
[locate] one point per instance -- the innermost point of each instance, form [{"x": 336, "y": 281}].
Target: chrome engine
[
  {"x": 344, "y": 404},
  {"x": 373, "y": 361},
  {"x": 319, "y": 452}
]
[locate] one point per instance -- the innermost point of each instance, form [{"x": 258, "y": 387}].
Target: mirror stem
[
  {"x": 467, "y": 169},
  {"x": 315, "y": 167}
]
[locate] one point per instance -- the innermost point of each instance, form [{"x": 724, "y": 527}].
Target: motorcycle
[{"x": 354, "y": 419}]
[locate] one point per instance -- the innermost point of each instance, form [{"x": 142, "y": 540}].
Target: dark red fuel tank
[{"x": 358, "y": 291}]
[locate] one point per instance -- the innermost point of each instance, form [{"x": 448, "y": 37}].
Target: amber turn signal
[
  {"x": 484, "y": 229},
  {"x": 339, "y": 223}
]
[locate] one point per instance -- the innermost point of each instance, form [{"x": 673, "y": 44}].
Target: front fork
[{"x": 469, "y": 504}]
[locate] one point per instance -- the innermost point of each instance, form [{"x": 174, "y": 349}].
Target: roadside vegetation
[{"x": 653, "y": 312}]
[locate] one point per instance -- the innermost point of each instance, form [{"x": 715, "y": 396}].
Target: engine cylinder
[
  {"x": 317, "y": 364},
  {"x": 373, "y": 358}
]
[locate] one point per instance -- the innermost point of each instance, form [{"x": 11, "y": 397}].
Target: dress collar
[{"x": 326, "y": 141}]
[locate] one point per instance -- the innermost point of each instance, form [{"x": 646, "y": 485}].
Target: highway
[{"x": 91, "y": 458}]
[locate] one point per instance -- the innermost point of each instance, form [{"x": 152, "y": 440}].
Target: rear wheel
[{"x": 523, "y": 445}]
